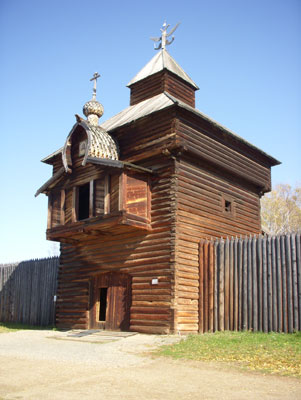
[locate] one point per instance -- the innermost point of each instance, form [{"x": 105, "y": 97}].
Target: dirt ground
[{"x": 74, "y": 365}]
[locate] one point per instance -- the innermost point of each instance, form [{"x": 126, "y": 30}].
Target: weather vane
[
  {"x": 95, "y": 77},
  {"x": 163, "y": 38}
]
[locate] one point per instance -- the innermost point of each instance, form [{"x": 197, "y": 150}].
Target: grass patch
[
  {"x": 13, "y": 327},
  {"x": 277, "y": 353}
]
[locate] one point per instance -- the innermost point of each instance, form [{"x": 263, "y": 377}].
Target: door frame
[{"x": 118, "y": 301}]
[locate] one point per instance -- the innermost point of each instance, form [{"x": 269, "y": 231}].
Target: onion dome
[{"x": 93, "y": 110}]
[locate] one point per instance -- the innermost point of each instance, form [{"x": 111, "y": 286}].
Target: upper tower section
[{"x": 162, "y": 74}]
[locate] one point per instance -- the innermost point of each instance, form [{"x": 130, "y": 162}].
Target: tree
[
  {"x": 53, "y": 249},
  {"x": 281, "y": 210}
]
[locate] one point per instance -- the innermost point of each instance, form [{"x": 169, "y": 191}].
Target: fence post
[{"x": 201, "y": 287}]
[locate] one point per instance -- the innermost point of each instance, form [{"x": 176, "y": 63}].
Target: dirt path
[{"x": 50, "y": 365}]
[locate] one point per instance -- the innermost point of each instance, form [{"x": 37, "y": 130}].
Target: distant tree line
[{"x": 281, "y": 210}]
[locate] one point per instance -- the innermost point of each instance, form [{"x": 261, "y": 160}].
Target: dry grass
[{"x": 273, "y": 352}]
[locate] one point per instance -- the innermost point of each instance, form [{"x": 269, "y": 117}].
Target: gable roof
[
  {"x": 160, "y": 61},
  {"x": 163, "y": 101},
  {"x": 157, "y": 103}
]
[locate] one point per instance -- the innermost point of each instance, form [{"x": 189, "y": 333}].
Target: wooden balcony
[
  {"x": 102, "y": 225},
  {"x": 110, "y": 205}
]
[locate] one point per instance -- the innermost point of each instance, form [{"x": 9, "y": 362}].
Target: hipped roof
[{"x": 159, "y": 62}]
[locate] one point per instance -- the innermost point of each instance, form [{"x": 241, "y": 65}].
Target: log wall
[
  {"x": 222, "y": 154},
  {"x": 200, "y": 213},
  {"x": 143, "y": 255},
  {"x": 163, "y": 81}
]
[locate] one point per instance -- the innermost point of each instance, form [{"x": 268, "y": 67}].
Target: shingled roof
[{"x": 100, "y": 144}]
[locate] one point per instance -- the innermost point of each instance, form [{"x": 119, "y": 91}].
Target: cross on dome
[
  {"x": 95, "y": 77},
  {"x": 93, "y": 110}
]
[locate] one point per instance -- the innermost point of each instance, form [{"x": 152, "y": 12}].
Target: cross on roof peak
[
  {"x": 163, "y": 38},
  {"x": 94, "y": 78}
]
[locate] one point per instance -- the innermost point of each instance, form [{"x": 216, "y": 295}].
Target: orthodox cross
[
  {"x": 95, "y": 77},
  {"x": 163, "y": 38}
]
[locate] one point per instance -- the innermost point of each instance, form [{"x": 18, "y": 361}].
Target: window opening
[
  {"x": 102, "y": 304},
  {"x": 228, "y": 206},
  {"x": 83, "y": 201}
]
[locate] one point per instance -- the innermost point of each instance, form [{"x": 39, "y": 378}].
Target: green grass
[
  {"x": 268, "y": 352},
  {"x": 13, "y": 327}
]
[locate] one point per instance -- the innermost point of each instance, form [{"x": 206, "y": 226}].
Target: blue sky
[{"x": 244, "y": 56}]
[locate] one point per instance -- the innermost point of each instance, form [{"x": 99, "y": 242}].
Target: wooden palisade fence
[
  {"x": 251, "y": 283},
  {"x": 27, "y": 292}
]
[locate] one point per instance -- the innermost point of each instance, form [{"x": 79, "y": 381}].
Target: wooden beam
[
  {"x": 49, "y": 211},
  {"x": 74, "y": 203},
  {"x": 122, "y": 191},
  {"x": 91, "y": 199},
  {"x": 107, "y": 195},
  {"x": 62, "y": 211}
]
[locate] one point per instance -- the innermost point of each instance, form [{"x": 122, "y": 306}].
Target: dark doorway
[
  {"x": 102, "y": 303},
  {"x": 83, "y": 201},
  {"x": 110, "y": 298}
]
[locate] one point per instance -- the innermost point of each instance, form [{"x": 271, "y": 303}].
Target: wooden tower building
[{"x": 131, "y": 198}]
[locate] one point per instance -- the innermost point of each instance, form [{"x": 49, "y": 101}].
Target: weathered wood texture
[
  {"x": 27, "y": 292},
  {"x": 111, "y": 311},
  {"x": 163, "y": 81},
  {"x": 257, "y": 284},
  {"x": 222, "y": 153},
  {"x": 147, "y": 137},
  {"x": 142, "y": 255},
  {"x": 200, "y": 213},
  {"x": 205, "y": 183}
]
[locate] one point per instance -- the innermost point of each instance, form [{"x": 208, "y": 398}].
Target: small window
[
  {"x": 228, "y": 206},
  {"x": 83, "y": 201}
]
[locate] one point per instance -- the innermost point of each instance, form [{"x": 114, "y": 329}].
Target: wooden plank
[
  {"x": 236, "y": 286},
  {"x": 216, "y": 287},
  {"x": 264, "y": 286},
  {"x": 294, "y": 283},
  {"x": 221, "y": 322},
  {"x": 298, "y": 253},
  {"x": 107, "y": 184},
  {"x": 259, "y": 283},
  {"x": 211, "y": 287},
  {"x": 49, "y": 212},
  {"x": 91, "y": 199},
  {"x": 279, "y": 285},
  {"x": 74, "y": 203},
  {"x": 122, "y": 191},
  {"x": 205, "y": 287},
  {"x": 289, "y": 284},
  {"x": 254, "y": 284},
  {"x": 274, "y": 286},
  {"x": 231, "y": 285},
  {"x": 227, "y": 284},
  {"x": 245, "y": 284},
  {"x": 284, "y": 284},
  {"x": 249, "y": 284},
  {"x": 63, "y": 205}
]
